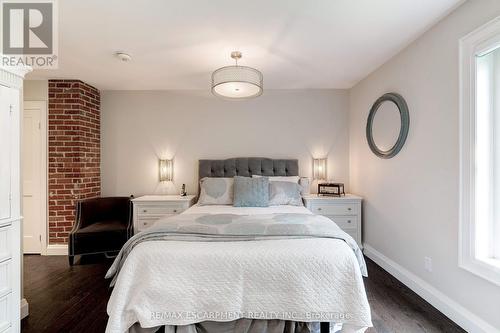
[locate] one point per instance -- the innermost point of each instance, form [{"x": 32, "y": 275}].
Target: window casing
[{"x": 479, "y": 234}]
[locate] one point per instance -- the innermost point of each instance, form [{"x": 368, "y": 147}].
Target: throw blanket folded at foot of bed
[{"x": 189, "y": 268}]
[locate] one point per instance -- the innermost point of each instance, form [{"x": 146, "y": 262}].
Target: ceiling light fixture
[
  {"x": 123, "y": 56},
  {"x": 237, "y": 82}
]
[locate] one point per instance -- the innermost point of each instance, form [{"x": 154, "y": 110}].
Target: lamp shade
[
  {"x": 166, "y": 170},
  {"x": 237, "y": 82},
  {"x": 319, "y": 168}
]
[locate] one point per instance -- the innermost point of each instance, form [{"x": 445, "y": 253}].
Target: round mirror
[{"x": 387, "y": 125}]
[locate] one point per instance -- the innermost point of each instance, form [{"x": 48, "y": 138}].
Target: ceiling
[{"x": 297, "y": 44}]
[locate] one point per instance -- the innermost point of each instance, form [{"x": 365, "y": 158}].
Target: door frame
[{"x": 42, "y": 105}]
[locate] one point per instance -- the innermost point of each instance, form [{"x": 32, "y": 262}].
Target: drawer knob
[
  {"x": 175, "y": 210},
  {"x": 319, "y": 208},
  {"x": 145, "y": 223},
  {"x": 349, "y": 208},
  {"x": 145, "y": 211},
  {"x": 348, "y": 221}
]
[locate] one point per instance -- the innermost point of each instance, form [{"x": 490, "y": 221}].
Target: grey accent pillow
[
  {"x": 251, "y": 192},
  {"x": 216, "y": 191},
  {"x": 284, "y": 193}
]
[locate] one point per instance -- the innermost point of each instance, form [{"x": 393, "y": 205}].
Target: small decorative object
[
  {"x": 333, "y": 189},
  {"x": 319, "y": 168},
  {"x": 166, "y": 170},
  {"x": 183, "y": 190},
  {"x": 237, "y": 82},
  {"x": 388, "y": 100}
]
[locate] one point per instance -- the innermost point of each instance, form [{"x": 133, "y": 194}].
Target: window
[{"x": 480, "y": 152}]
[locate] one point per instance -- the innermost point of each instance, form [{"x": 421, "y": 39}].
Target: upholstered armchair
[{"x": 102, "y": 225}]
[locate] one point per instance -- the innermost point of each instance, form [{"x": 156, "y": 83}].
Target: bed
[{"x": 203, "y": 271}]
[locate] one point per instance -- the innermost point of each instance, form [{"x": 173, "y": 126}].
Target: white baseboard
[
  {"x": 460, "y": 315},
  {"x": 57, "y": 250},
  {"x": 24, "y": 308}
]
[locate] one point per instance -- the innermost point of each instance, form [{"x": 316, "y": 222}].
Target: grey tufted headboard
[{"x": 248, "y": 166}]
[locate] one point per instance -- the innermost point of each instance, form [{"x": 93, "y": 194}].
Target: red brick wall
[{"x": 74, "y": 152}]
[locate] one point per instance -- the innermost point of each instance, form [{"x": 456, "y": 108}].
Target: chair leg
[{"x": 71, "y": 259}]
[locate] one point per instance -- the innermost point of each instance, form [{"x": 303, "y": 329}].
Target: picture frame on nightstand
[{"x": 331, "y": 189}]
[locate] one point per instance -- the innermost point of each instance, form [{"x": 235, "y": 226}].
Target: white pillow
[
  {"x": 305, "y": 184},
  {"x": 216, "y": 191},
  {"x": 292, "y": 179},
  {"x": 284, "y": 193}
]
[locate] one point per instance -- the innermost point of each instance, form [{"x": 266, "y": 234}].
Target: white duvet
[{"x": 179, "y": 283}]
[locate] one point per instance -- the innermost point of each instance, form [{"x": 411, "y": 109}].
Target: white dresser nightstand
[
  {"x": 150, "y": 208},
  {"x": 344, "y": 210}
]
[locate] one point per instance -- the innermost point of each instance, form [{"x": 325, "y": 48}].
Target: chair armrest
[
  {"x": 84, "y": 214},
  {"x": 94, "y": 210}
]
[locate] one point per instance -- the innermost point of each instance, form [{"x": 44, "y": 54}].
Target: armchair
[{"x": 102, "y": 225}]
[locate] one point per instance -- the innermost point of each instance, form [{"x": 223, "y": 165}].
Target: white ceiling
[{"x": 177, "y": 44}]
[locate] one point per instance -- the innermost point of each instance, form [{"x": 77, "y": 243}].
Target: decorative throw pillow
[
  {"x": 216, "y": 191},
  {"x": 251, "y": 192},
  {"x": 284, "y": 193},
  {"x": 293, "y": 179},
  {"x": 305, "y": 184}
]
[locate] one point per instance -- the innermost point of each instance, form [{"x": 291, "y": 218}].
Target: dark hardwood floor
[{"x": 73, "y": 299}]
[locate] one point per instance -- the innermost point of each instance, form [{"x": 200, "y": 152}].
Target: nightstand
[
  {"x": 345, "y": 211},
  {"x": 150, "y": 208}
]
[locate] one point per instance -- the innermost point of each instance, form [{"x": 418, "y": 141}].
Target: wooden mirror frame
[{"x": 403, "y": 132}]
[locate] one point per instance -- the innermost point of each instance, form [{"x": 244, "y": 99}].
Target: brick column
[{"x": 74, "y": 143}]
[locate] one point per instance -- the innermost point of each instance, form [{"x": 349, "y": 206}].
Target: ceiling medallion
[{"x": 237, "y": 82}]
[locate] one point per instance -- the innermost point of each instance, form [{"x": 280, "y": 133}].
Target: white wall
[
  {"x": 411, "y": 206},
  {"x": 36, "y": 90},
  {"x": 138, "y": 127}
]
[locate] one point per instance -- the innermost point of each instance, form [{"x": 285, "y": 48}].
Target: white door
[
  {"x": 33, "y": 165},
  {"x": 5, "y": 152}
]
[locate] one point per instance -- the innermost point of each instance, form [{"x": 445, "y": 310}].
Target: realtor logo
[{"x": 29, "y": 33}]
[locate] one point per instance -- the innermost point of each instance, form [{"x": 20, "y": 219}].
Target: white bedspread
[{"x": 178, "y": 283}]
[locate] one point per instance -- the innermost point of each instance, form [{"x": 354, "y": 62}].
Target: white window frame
[{"x": 480, "y": 41}]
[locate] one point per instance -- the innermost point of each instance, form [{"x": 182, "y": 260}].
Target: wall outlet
[{"x": 428, "y": 264}]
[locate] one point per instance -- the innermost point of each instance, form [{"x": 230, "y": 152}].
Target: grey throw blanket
[{"x": 231, "y": 228}]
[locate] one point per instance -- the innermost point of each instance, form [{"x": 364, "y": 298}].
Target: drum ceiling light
[{"x": 237, "y": 82}]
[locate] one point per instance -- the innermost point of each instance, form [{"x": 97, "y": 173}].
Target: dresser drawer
[
  {"x": 145, "y": 222},
  {"x": 145, "y": 210},
  {"x": 5, "y": 277},
  {"x": 345, "y": 222},
  {"x": 334, "y": 209},
  {"x": 5, "y": 306},
  {"x": 5, "y": 238},
  {"x": 345, "y": 211}
]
